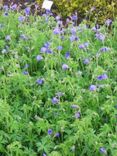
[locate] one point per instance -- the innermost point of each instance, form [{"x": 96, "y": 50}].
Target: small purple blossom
[
  {"x": 58, "y": 18},
  {"x": 59, "y": 23},
  {"x": 55, "y": 100},
  {"x": 44, "y": 154},
  {"x": 8, "y": 38},
  {"x": 100, "y": 36},
  {"x": 86, "y": 44},
  {"x": 102, "y": 77},
  {"x": 50, "y": 131},
  {"x": 108, "y": 22},
  {"x": 23, "y": 37},
  {"x": 57, "y": 135},
  {"x": 74, "y": 17},
  {"x": 40, "y": 81},
  {"x": 104, "y": 49},
  {"x": 68, "y": 20},
  {"x": 25, "y": 72},
  {"x": 103, "y": 150},
  {"x": 21, "y": 18},
  {"x": 39, "y": 58},
  {"x": 6, "y": 14},
  {"x": 49, "y": 51},
  {"x": 5, "y": 7},
  {"x": 74, "y": 106},
  {"x": 14, "y": 7},
  {"x": 73, "y": 38},
  {"x": 43, "y": 50},
  {"x": 94, "y": 29},
  {"x": 47, "y": 44},
  {"x": 86, "y": 61},
  {"x": 59, "y": 94},
  {"x": 92, "y": 88},
  {"x": 27, "y": 11},
  {"x": 59, "y": 48},
  {"x": 67, "y": 55},
  {"x": 82, "y": 46},
  {"x": 56, "y": 31},
  {"x": 65, "y": 67},
  {"x": 77, "y": 115},
  {"x": 73, "y": 31}
]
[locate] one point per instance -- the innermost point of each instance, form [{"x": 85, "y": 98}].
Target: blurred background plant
[
  {"x": 96, "y": 11},
  {"x": 92, "y": 11}
]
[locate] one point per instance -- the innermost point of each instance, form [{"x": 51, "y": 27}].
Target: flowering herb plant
[{"x": 58, "y": 86}]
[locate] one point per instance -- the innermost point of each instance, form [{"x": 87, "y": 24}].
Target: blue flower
[
  {"x": 49, "y": 51},
  {"x": 74, "y": 106},
  {"x": 77, "y": 115},
  {"x": 27, "y": 10},
  {"x": 103, "y": 150},
  {"x": 14, "y": 7},
  {"x": 86, "y": 61},
  {"x": 39, "y": 58},
  {"x": 86, "y": 44},
  {"x": 8, "y": 38},
  {"x": 47, "y": 44},
  {"x": 73, "y": 31},
  {"x": 21, "y": 18},
  {"x": 74, "y": 17},
  {"x": 43, "y": 49},
  {"x": 102, "y": 77},
  {"x": 95, "y": 29},
  {"x": 55, "y": 100},
  {"x": 57, "y": 135},
  {"x": 5, "y": 7},
  {"x": 58, "y": 18},
  {"x": 56, "y": 31},
  {"x": 59, "y": 48},
  {"x": 73, "y": 38},
  {"x": 65, "y": 67},
  {"x": 6, "y": 14},
  {"x": 23, "y": 37},
  {"x": 104, "y": 49},
  {"x": 40, "y": 81},
  {"x": 108, "y": 22},
  {"x": 92, "y": 88},
  {"x": 100, "y": 36},
  {"x": 59, "y": 94},
  {"x": 25, "y": 72},
  {"x": 82, "y": 46},
  {"x": 59, "y": 23},
  {"x": 50, "y": 131},
  {"x": 67, "y": 55},
  {"x": 44, "y": 154}
]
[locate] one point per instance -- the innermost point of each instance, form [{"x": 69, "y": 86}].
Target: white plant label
[{"x": 47, "y": 4}]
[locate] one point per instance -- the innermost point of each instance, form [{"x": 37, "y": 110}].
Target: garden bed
[{"x": 58, "y": 94}]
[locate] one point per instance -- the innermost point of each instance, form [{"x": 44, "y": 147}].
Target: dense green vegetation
[{"x": 58, "y": 86}]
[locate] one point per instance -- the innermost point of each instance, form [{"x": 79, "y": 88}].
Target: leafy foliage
[
  {"x": 58, "y": 94},
  {"x": 96, "y": 11}
]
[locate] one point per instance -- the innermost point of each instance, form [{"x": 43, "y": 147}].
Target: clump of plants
[
  {"x": 58, "y": 94},
  {"x": 94, "y": 11}
]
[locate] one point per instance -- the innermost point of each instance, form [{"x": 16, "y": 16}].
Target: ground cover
[{"x": 58, "y": 86}]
